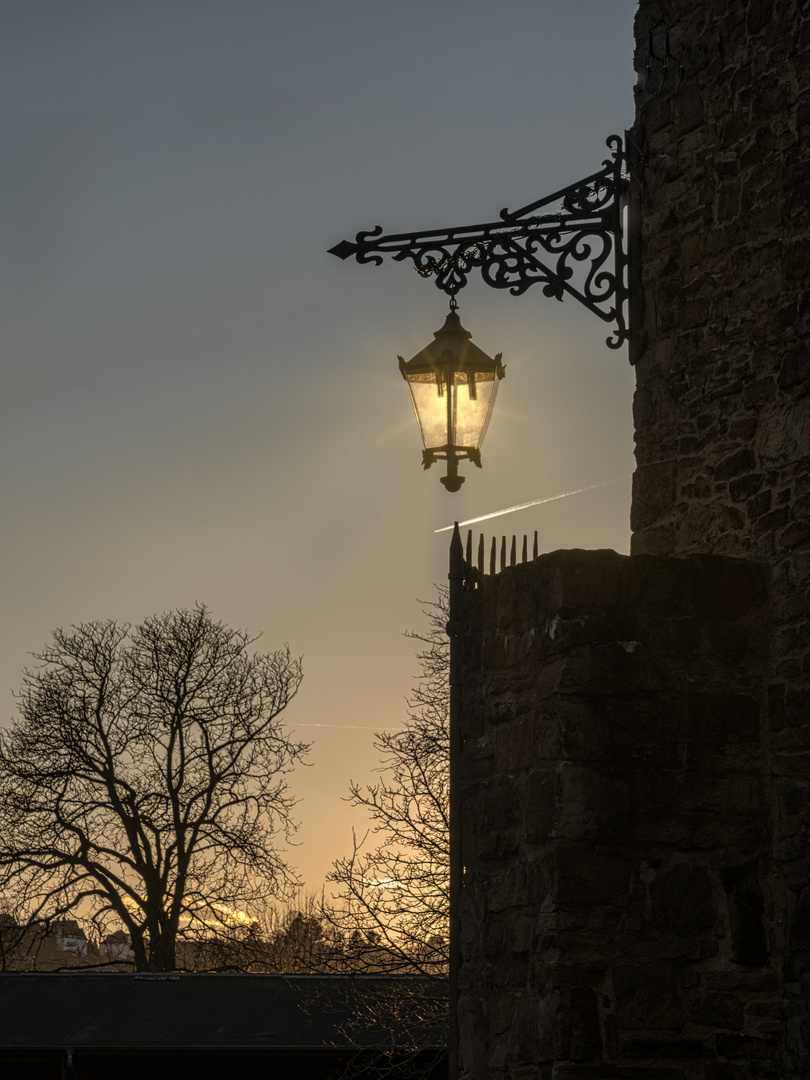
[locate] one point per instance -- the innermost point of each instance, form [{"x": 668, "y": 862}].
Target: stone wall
[
  {"x": 620, "y": 917},
  {"x": 636, "y": 730},
  {"x": 722, "y": 412}
]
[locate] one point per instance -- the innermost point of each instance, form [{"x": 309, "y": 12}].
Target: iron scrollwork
[{"x": 576, "y": 249}]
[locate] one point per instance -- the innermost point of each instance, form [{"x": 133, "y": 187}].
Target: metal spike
[
  {"x": 513, "y": 552},
  {"x": 468, "y": 555},
  {"x": 535, "y": 545},
  {"x": 481, "y": 554},
  {"x": 503, "y": 553},
  {"x": 493, "y": 555},
  {"x": 525, "y": 549},
  {"x": 456, "y": 574}
]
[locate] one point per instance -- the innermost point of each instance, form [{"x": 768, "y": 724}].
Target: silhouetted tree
[
  {"x": 143, "y": 784},
  {"x": 391, "y": 901}
]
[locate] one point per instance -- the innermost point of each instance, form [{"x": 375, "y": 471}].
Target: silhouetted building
[{"x": 310, "y": 1027}]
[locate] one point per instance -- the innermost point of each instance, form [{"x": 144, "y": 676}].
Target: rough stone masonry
[{"x": 636, "y": 760}]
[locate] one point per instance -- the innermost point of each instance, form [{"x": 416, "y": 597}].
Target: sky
[{"x": 199, "y": 404}]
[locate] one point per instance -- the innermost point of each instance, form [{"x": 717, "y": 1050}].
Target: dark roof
[{"x": 237, "y": 1012}]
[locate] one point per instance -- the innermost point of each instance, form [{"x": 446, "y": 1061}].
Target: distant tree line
[{"x": 296, "y": 938}]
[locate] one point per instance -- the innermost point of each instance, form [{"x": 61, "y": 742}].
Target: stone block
[
  {"x": 587, "y": 973},
  {"x": 791, "y": 757},
  {"x": 579, "y": 580},
  {"x": 784, "y": 435},
  {"x": 658, "y": 539},
  {"x": 799, "y": 926},
  {"x": 725, "y": 588},
  {"x": 576, "y": 1032},
  {"x": 758, "y": 505},
  {"x": 727, "y": 1071},
  {"x": 703, "y": 831},
  {"x": 560, "y": 634},
  {"x": 720, "y": 717},
  {"x": 745, "y": 1046},
  {"x": 772, "y": 522},
  {"x": 720, "y": 1011},
  {"x": 574, "y": 728},
  {"x": 730, "y": 519},
  {"x": 665, "y": 636},
  {"x": 752, "y": 982},
  {"x": 732, "y": 465},
  {"x": 601, "y": 670},
  {"x": 682, "y": 900},
  {"x": 653, "y": 492},
  {"x": 540, "y": 805},
  {"x": 646, "y": 996},
  {"x": 746, "y": 912},
  {"x": 689, "y": 111},
  {"x": 590, "y": 806},
  {"x": 743, "y": 428},
  {"x": 731, "y": 642},
  {"x": 794, "y": 535},
  {"x": 526, "y": 1037},
  {"x": 664, "y": 791},
  {"x": 581, "y": 877},
  {"x": 744, "y": 487},
  {"x": 658, "y": 586},
  {"x": 617, "y": 1072},
  {"x": 759, "y": 391},
  {"x": 793, "y": 798},
  {"x": 666, "y": 1048}
]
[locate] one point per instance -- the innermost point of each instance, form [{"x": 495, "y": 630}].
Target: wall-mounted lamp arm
[{"x": 577, "y": 249}]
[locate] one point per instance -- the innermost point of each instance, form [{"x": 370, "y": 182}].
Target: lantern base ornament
[{"x": 452, "y": 455}]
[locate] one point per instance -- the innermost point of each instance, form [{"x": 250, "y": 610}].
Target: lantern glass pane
[
  {"x": 428, "y": 393},
  {"x": 473, "y": 397}
]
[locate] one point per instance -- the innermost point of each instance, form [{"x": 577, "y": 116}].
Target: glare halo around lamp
[{"x": 453, "y": 385}]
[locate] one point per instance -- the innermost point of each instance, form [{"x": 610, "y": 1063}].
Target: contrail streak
[{"x": 534, "y": 502}]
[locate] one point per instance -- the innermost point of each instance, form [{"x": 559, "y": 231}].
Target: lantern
[{"x": 453, "y": 385}]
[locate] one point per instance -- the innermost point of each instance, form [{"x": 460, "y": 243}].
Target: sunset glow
[{"x": 201, "y": 404}]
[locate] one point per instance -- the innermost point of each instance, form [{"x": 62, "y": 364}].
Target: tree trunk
[{"x": 162, "y": 953}]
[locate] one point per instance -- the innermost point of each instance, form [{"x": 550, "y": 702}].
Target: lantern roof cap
[
  {"x": 455, "y": 340},
  {"x": 452, "y": 326}
]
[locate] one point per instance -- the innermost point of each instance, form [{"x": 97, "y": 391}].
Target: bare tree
[
  {"x": 391, "y": 900},
  {"x": 143, "y": 785}
]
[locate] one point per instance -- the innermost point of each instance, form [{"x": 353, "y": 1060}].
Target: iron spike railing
[{"x": 475, "y": 569}]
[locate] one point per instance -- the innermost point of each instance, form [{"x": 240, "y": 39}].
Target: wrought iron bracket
[{"x": 585, "y": 246}]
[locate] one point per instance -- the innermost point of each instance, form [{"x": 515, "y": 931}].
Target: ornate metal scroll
[{"x": 575, "y": 249}]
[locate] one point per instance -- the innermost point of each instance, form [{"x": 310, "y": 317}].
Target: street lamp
[
  {"x": 453, "y": 386},
  {"x": 578, "y": 249}
]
